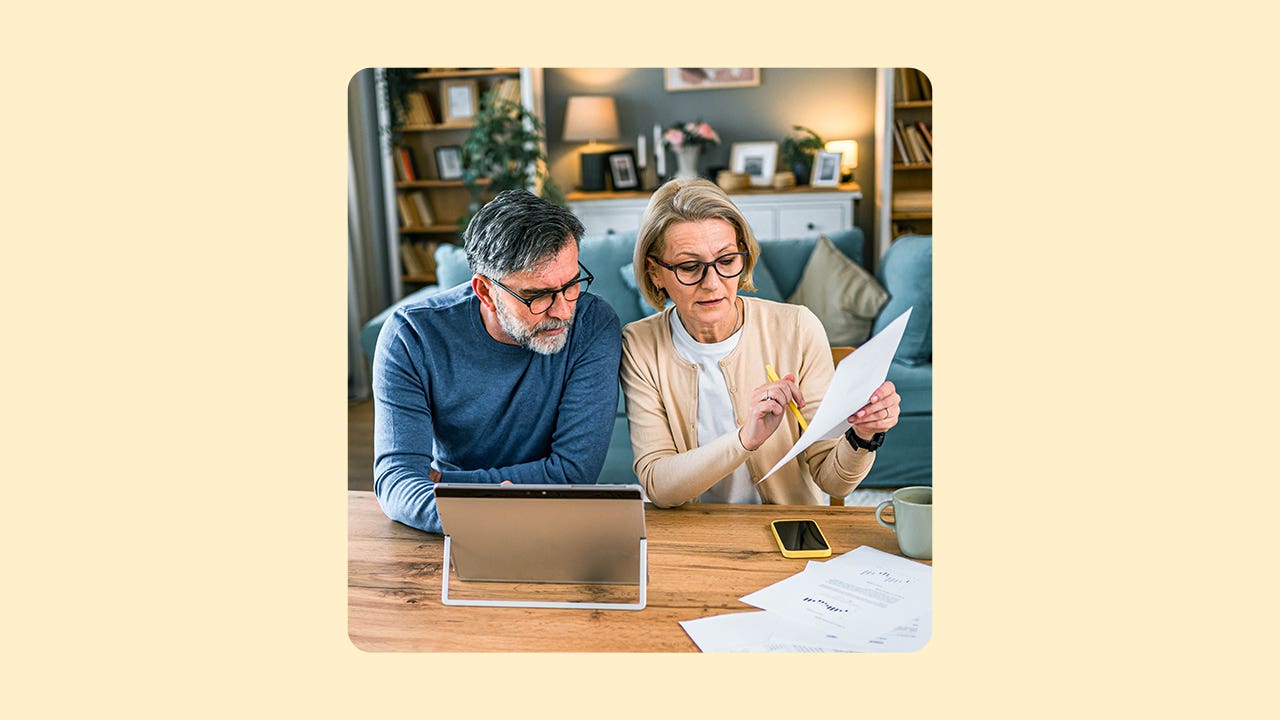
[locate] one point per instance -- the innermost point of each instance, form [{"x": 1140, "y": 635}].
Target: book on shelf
[
  {"x": 916, "y": 145},
  {"x": 900, "y": 142},
  {"x": 899, "y": 149},
  {"x": 408, "y": 218},
  {"x": 420, "y": 109},
  {"x": 508, "y": 89},
  {"x": 426, "y": 252},
  {"x": 422, "y": 208},
  {"x": 925, "y": 133},
  {"x": 409, "y": 259},
  {"x": 911, "y": 85},
  {"x": 406, "y": 171},
  {"x": 418, "y": 259}
]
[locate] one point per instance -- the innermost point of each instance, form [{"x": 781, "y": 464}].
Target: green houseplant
[
  {"x": 504, "y": 152},
  {"x": 797, "y": 152}
]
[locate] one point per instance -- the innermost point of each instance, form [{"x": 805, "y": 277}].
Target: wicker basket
[{"x": 729, "y": 181}]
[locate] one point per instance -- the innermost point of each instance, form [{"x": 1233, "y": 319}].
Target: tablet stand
[{"x": 638, "y": 605}]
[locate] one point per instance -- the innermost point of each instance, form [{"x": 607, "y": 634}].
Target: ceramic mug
[{"x": 912, "y": 520}]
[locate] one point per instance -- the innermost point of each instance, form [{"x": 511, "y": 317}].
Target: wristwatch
[{"x": 870, "y": 445}]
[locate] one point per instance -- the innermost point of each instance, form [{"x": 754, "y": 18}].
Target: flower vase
[{"x": 687, "y": 162}]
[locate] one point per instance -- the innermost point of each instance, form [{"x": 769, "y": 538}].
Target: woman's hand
[
  {"x": 878, "y": 415},
  {"x": 768, "y": 405}
]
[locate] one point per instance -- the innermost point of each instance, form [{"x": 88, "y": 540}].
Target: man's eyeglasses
[
  {"x": 691, "y": 272},
  {"x": 542, "y": 302}
]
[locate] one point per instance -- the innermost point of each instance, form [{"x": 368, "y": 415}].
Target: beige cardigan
[{"x": 661, "y": 390}]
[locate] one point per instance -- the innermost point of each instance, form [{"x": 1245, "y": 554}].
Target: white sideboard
[{"x": 792, "y": 213}]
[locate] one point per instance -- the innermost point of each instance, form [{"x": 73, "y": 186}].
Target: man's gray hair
[{"x": 516, "y": 232}]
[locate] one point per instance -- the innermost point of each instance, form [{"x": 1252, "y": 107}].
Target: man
[{"x": 512, "y": 378}]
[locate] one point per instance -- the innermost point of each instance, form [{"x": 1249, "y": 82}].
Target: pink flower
[{"x": 696, "y": 133}]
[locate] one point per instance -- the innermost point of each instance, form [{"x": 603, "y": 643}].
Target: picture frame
[
  {"x": 826, "y": 169},
  {"x": 758, "y": 160},
  {"x": 459, "y": 99},
  {"x": 622, "y": 170},
  {"x": 678, "y": 79},
  {"x": 449, "y": 162}
]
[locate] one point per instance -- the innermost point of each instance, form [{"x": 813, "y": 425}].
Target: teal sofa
[{"x": 906, "y": 272}]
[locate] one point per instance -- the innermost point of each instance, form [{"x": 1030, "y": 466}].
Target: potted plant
[
  {"x": 797, "y": 152},
  {"x": 504, "y": 152}
]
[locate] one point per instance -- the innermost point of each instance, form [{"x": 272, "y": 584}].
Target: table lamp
[
  {"x": 848, "y": 150},
  {"x": 591, "y": 118}
]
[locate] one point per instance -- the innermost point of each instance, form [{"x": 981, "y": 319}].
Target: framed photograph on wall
[
  {"x": 757, "y": 159},
  {"x": 460, "y": 99},
  {"x": 826, "y": 169},
  {"x": 449, "y": 162},
  {"x": 676, "y": 79},
  {"x": 622, "y": 170}
]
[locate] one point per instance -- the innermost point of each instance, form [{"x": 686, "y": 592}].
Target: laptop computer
[{"x": 582, "y": 534}]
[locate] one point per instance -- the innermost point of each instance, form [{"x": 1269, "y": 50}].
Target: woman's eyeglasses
[{"x": 691, "y": 272}]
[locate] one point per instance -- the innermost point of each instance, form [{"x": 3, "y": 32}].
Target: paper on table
[
  {"x": 859, "y": 601},
  {"x": 895, "y": 613},
  {"x": 856, "y": 378},
  {"x": 735, "y": 632}
]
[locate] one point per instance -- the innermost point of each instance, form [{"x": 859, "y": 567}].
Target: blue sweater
[{"x": 449, "y": 396}]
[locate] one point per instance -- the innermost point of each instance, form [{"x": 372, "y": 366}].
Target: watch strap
[{"x": 870, "y": 445}]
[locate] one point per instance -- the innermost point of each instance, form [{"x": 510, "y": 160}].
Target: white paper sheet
[
  {"x": 736, "y": 632},
  {"x": 789, "y": 624},
  {"x": 856, "y": 378},
  {"x": 865, "y": 600}
]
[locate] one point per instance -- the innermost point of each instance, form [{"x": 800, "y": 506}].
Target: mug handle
[{"x": 879, "y": 509}]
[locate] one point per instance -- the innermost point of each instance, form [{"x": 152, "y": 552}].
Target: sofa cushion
[
  {"x": 787, "y": 258},
  {"x": 628, "y": 273},
  {"x": 914, "y": 383},
  {"x": 906, "y": 271},
  {"x": 603, "y": 255},
  {"x": 766, "y": 286},
  {"x": 845, "y": 297},
  {"x": 451, "y": 266}
]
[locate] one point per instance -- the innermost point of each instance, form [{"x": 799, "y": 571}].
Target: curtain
[{"x": 372, "y": 265}]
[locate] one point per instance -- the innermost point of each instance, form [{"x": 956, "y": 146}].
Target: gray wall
[{"x": 838, "y": 103}]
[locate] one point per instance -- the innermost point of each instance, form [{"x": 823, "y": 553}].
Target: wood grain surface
[{"x": 702, "y": 558}]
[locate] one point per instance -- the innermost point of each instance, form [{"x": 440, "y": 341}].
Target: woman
[{"x": 706, "y": 423}]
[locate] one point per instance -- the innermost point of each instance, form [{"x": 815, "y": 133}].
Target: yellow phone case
[{"x": 825, "y": 552}]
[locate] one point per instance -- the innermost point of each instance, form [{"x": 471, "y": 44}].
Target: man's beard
[{"x": 531, "y": 338}]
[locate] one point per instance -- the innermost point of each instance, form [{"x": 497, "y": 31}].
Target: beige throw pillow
[{"x": 845, "y": 297}]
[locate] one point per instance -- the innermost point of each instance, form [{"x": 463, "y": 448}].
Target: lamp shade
[
  {"x": 591, "y": 118},
  {"x": 848, "y": 150}
]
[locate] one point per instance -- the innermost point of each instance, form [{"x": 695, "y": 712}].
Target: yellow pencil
[{"x": 773, "y": 377}]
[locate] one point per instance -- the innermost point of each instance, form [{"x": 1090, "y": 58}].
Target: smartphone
[{"x": 800, "y": 539}]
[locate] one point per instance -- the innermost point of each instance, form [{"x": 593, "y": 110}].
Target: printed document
[{"x": 862, "y": 601}]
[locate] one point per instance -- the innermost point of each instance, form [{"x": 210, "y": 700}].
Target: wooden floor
[{"x": 360, "y": 446}]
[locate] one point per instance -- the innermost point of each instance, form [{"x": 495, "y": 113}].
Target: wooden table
[{"x": 702, "y": 558}]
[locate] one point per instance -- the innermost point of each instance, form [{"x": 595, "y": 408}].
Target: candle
[
  {"x": 660, "y": 153},
  {"x": 640, "y": 159}
]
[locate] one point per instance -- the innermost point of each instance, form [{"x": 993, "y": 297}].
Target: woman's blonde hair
[{"x": 680, "y": 201}]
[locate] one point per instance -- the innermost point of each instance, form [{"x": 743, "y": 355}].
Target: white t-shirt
[{"x": 715, "y": 412}]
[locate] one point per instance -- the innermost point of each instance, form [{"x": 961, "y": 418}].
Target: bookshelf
[
  {"x": 425, "y": 156},
  {"x": 905, "y": 163}
]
